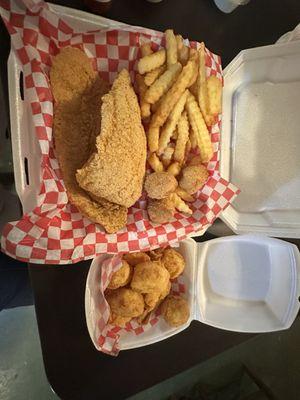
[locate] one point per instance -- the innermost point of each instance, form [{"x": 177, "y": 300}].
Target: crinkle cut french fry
[
  {"x": 150, "y": 77},
  {"x": 144, "y": 106},
  {"x": 182, "y": 50},
  {"x": 146, "y": 49},
  {"x": 152, "y": 61},
  {"x": 166, "y": 157},
  {"x": 163, "y": 83},
  {"x": 171, "y": 46},
  {"x": 153, "y": 136},
  {"x": 180, "y": 205},
  {"x": 171, "y": 123},
  {"x": 199, "y": 127},
  {"x": 175, "y": 134},
  {"x": 183, "y": 194},
  {"x": 173, "y": 95},
  {"x": 193, "y": 138},
  {"x": 188, "y": 148},
  {"x": 194, "y": 57},
  {"x": 174, "y": 168},
  {"x": 179, "y": 42},
  {"x": 155, "y": 163},
  {"x": 214, "y": 91},
  {"x": 183, "y": 136},
  {"x": 202, "y": 88}
]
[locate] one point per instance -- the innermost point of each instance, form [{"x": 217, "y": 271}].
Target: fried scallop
[
  {"x": 159, "y": 185},
  {"x": 121, "y": 277},
  {"x": 136, "y": 258},
  {"x": 125, "y": 302},
  {"x": 150, "y": 276},
  {"x": 117, "y": 320},
  {"x": 173, "y": 262},
  {"x": 193, "y": 178},
  {"x": 152, "y": 301},
  {"x": 175, "y": 310}
]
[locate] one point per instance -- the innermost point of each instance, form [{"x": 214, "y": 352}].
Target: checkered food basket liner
[
  {"x": 55, "y": 232},
  {"x": 106, "y": 337}
]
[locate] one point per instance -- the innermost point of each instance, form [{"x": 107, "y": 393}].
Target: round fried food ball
[
  {"x": 121, "y": 277},
  {"x": 175, "y": 310},
  {"x": 173, "y": 262},
  {"x": 193, "y": 178},
  {"x": 117, "y": 320},
  {"x": 125, "y": 302},
  {"x": 136, "y": 258},
  {"x": 161, "y": 211},
  {"x": 151, "y": 300},
  {"x": 150, "y": 276},
  {"x": 159, "y": 185}
]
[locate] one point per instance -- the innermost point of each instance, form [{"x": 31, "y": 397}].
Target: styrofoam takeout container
[
  {"x": 260, "y": 140},
  {"x": 247, "y": 283},
  {"x": 25, "y": 147}
]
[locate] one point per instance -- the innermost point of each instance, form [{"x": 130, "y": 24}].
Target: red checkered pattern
[
  {"x": 55, "y": 232},
  {"x": 109, "y": 335}
]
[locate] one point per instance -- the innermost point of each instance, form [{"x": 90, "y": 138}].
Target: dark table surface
[{"x": 74, "y": 368}]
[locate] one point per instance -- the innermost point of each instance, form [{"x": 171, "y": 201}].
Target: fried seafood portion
[{"x": 175, "y": 310}]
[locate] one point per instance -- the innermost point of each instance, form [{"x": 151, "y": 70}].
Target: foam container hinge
[{"x": 247, "y": 283}]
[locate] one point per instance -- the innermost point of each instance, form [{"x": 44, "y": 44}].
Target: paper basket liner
[{"x": 55, "y": 232}]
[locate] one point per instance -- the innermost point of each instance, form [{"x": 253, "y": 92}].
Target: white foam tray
[
  {"x": 247, "y": 283},
  {"x": 260, "y": 140},
  {"x": 25, "y": 147}
]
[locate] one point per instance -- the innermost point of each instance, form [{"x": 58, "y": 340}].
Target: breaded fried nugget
[
  {"x": 152, "y": 301},
  {"x": 136, "y": 258},
  {"x": 125, "y": 302},
  {"x": 71, "y": 74},
  {"x": 117, "y": 320},
  {"x": 173, "y": 262},
  {"x": 159, "y": 185},
  {"x": 161, "y": 211},
  {"x": 175, "y": 310},
  {"x": 116, "y": 170},
  {"x": 150, "y": 276},
  {"x": 193, "y": 178},
  {"x": 121, "y": 277}
]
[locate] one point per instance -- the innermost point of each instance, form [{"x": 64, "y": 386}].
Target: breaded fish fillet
[
  {"x": 76, "y": 124},
  {"x": 116, "y": 170}
]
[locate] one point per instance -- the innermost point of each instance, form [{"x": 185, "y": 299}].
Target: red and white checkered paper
[
  {"x": 55, "y": 232},
  {"x": 106, "y": 337}
]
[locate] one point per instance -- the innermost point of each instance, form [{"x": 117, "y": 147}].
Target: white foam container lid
[
  {"x": 260, "y": 141},
  {"x": 247, "y": 283}
]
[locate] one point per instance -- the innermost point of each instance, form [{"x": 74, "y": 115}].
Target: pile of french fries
[{"x": 178, "y": 105}]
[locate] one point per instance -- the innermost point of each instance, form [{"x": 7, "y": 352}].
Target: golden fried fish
[{"x": 115, "y": 171}]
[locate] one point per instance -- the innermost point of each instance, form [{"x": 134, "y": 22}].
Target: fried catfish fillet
[
  {"x": 116, "y": 170},
  {"x": 77, "y": 91}
]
